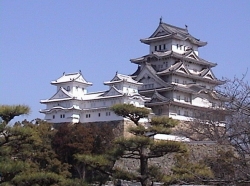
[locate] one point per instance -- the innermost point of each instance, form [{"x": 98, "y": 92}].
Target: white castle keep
[{"x": 172, "y": 80}]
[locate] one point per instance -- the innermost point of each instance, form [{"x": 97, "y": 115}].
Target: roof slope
[{"x": 121, "y": 78}]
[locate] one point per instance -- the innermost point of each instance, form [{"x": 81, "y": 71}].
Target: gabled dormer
[
  {"x": 113, "y": 92},
  {"x": 74, "y": 83},
  {"x": 124, "y": 83}
]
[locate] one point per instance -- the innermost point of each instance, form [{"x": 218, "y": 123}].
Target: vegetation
[
  {"x": 229, "y": 126},
  {"x": 142, "y": 146},
  {"x": 34, "y": 153}
]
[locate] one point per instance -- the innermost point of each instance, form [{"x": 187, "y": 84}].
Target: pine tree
[
  {"x": 26, "y": 155},
  {"x": 142, "y": 145}
]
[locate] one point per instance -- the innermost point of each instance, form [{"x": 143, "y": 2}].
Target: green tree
[
  {"x": 26, "y": 155},
  {"x": 141, "y": 145},
  {"x": 186, "y": 171},
  {"x": 73, "y": 140},
  {"x": 8, "y": 112}
]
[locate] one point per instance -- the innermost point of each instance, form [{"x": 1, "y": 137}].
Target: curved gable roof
[
  {"x": 148, "y": 68},
  {"x": 120, "y": 78},
  {"x": 60, "y": 95},
  {"x": 71, "y": 77},
  {"x": 169, "y": 53},
  {"x": 165, "y": 30},
  {"x": 112, "y": 91}
]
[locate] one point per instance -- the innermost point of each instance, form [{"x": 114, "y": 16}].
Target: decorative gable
[
  {"x": 209, "y": 75},
  {"x": 160, "y": 31},
  {"x": 148, "y": 75},
  {"x": 183, "y": 69},
  {"x": 112, "y": 92},
  {"x": 61, "y": 94},
  {"x": 116, "y": 78},
  {"x": 192, "y": 55}
]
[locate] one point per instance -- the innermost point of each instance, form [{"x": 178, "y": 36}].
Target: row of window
[
  {"x": 148, "y": 86},
  {"x": 68, "y": 88},
  {"x": 99, "y": 115},
  {"x": 87, "y": 115},
  {"x": 160, "y": 47},
  {"x": 61, "y": 116},
  {"x": 186, "y": 99},
  {"x": 178, "y": 46},
  {"x": 184, "y": 82},
  {"x": 185, "y": 112}
]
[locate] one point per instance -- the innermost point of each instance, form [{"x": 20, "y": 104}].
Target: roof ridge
[
  {"x": 71, "y": 73},
  {"x": 184, "y": 29}
]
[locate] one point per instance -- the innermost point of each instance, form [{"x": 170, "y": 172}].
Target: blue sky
[{"x": 40, "y": 40}]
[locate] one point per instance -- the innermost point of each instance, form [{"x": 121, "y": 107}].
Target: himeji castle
[
  {"x": 172, "y": 80},
  {"x": 72, "y": 103},
  {"x": 181, "y": 85}
]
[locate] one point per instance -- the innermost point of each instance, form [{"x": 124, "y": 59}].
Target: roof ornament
[
  {"x": 80, "y": 71},
  {"x": 160, "y": 20},
  {"x": 186, "y": 27},
  {"x": 63, "y": 73},
  {"x": 116, "y": 72}
]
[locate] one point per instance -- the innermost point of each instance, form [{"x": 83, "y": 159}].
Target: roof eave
[{"x": 62, "y": 82}]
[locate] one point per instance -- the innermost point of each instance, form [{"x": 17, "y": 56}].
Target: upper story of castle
[{"x": 171, "y": 38}]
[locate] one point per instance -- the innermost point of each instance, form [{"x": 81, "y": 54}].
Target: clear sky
[{"x": 39, "y": 40}]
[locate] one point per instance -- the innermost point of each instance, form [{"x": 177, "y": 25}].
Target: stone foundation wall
[
  {"x": 198, "y": 151},
  {"x": 119, "y": 127}
]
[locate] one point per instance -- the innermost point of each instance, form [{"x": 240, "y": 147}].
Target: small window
[
  {"x": 178, "y": 112},
  {"x": 178, "y": 97},
  {"x": 155, "y": 48},
  {"x": 68, "y": 88},
  {"x": 99, "y": 114},
  {"x": 176, "y": 80},
  {"x": 164, "y": 46},
  {"x": 53, "y": 116},
  {"x": 159, "y": 47}
]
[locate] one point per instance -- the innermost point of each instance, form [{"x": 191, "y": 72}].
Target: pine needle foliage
[
  {"x": 142, "y": 146},
  {"x": 8, "y": 112}
]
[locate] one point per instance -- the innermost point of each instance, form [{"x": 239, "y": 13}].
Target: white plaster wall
[
  {"x": 181, "y": 80},
  {"x": 184, "y": 44},
  {"x": 166, "y": 42},
  {"x": 194, "y": 68},
  {"x": 98, "y": 115},
  {"x": 202, "y": 100}
]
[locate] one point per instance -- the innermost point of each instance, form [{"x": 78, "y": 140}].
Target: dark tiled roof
[
  {"x": 172, "y": 54},
  {"x": 175, "y": 32}
]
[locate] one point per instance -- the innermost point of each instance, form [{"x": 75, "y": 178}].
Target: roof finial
[
  {"x": 186, "y": 27},
  {"x": 160, "y": 20},
  {"x": 116, "y": 72}
]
